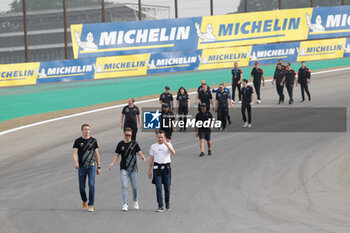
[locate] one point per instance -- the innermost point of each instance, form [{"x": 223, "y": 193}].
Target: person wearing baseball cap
[
  {"x": 167, "y": 98},
  {"x": 258, "y": 75}
]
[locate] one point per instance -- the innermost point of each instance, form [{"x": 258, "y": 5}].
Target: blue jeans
[
  {"x": 124, "y": 174},
  {"x": 162, "y": 176},
  {"x": 90, "y": 172}
]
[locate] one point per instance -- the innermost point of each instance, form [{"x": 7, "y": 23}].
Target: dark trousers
[
  {"x": 280, "y": 92},
  {"x": 234, "y": 86},
  {"x": 305, "y": 88},
  {"x": 162, "y": 176},
  {"x": 289, "y": 87},
  {"x": 82, "y": 173},
  {"x": 249, "y": 110},
  {"x": 134, "y": 130},
  {"x": 222, "y": 115},
  {"x": 257, "y": 89},
  {"x": 183, "y": 110}
]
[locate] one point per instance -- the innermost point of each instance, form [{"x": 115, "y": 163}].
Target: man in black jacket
[
  {"x": 279, "y": 77},
  {"x": 304, "y": 76}
]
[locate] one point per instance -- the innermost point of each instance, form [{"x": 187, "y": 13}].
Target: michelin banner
[
  {"x": 156, "y": 36},
  {"x": 66, "y": 71},
  {"x": 169, "y": 62}
]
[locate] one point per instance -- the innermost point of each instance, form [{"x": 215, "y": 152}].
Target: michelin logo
[
  {"x": 333, "y": 21},
  {"x": 317, "y": 26},
  {"x": 87, "y": 45},
  {"x": 63, "y": 70},
  {"x": 206, "y": 36}
]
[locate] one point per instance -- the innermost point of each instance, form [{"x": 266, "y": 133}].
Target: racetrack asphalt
[{"x": 253, "y": 182}]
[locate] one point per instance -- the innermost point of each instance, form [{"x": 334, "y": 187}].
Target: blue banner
[
  {"x": 271, "y": 53},
  {"x": 66, "y": 71},
  {"x": 124, "y": 38},
  {"x": 174, "y": 62},
  {"x": 329, "y": 22}
]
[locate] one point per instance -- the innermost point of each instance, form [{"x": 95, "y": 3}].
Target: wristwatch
[{"x": 98, "y": 167}]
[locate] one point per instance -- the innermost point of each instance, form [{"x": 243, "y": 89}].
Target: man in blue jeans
[
  {"x": 85, "y": 157},
  {"x": 160, "y": 162},
  {"x": 128, "y": 166}
]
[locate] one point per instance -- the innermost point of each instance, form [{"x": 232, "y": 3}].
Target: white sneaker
[
  {"x": 249, "y": 125},
  {"x": 258, "y": 101},
  {"x": 240, "y": 102},
  {"x": 245, "y": 124},
  {"x": 136, "y": 205},
  {"x": 125, "y": 207},
  {"x": 233, "y": 102}
]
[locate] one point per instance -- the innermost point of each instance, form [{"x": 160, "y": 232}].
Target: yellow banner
[
  {"x": 224, "y": 57},
  {"x": 19, "y": 74},
  {"x": 75, "y": 34},
  {"x": 121, "y": 66},
  {"x": 321, "y": 49},
  {"x": 253, "y": 28}
]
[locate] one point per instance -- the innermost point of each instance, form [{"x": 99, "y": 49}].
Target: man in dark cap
[{"x": 167, "y": 98}]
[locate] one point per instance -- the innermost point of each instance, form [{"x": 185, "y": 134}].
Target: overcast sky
[{"x": 187, "y": 8}]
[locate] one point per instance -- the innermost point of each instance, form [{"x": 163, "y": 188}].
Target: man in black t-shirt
[
  {"x": 236, "y": 82},
  {"x": 86, "y": 157},
  {"x": 131, "y": 114},
  {"x": 128, "y": 166},
  {"x": 289, "y": 79},
  {"x": 247, "y": 102},
  {"x": 166, "y": 120},
  {"x": 167, "y": 98},
  {"x": 203, "y": 132},
  {"x": 206, "y": 97},
  {"x": 258, "y": 75}
]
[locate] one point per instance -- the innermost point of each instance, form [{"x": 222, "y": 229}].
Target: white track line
[{"x": 121, "y": 105}]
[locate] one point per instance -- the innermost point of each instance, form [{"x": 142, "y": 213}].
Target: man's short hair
[
  {"x": 85, "y": 125},
  {"x": 127, "y": 129},
  {"x": 302, "y": 61},
  {"x": 289, "y": 64},
  {"x": 245, "y": 80},
  {"x": 132, "y": 100},
  {"x": 161, "y": 132}
]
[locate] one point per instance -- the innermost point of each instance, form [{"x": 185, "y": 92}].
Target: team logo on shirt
[{"x": 151, "y": 119}]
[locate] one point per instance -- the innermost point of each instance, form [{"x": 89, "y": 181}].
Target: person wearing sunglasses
[{"x": 128, "y": 149}]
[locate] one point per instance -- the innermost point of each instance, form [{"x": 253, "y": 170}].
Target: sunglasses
[{"x": 127, "y": 135}]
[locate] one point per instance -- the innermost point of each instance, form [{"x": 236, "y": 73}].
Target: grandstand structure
[{"x": 46, "y": 40}]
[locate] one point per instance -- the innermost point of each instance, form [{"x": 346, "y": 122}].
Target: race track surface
[{"x": 254, "y": 182}]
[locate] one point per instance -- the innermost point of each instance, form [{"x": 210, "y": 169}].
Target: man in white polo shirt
[{"x": 160, "y": 162}]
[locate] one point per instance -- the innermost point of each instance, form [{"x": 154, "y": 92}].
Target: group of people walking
[{"x": 85, "y": 149}]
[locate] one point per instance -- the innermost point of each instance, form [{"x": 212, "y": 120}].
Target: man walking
[
  {"x": 203, "y": 132},
  {"x": 167, "y": 98},
  {"x": 206, "y": 97},
  {"x": 304, "y": 76},
  {"x": 279, "y": 76},
  {"x": 289, "y": 81},
  {"x": 229, "y": 94},
  {"x": 247, "y": 102},
  {"x": 223, "y": 105},
  {"x": 131, "y": 114},
  {"x": 128, "y": 166},
  {"x": 85, "y": 157},
  {"x": 258, "y": 75},
  {"x": 160, "y": 163},
  {"x": 236, "y": 82}
]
